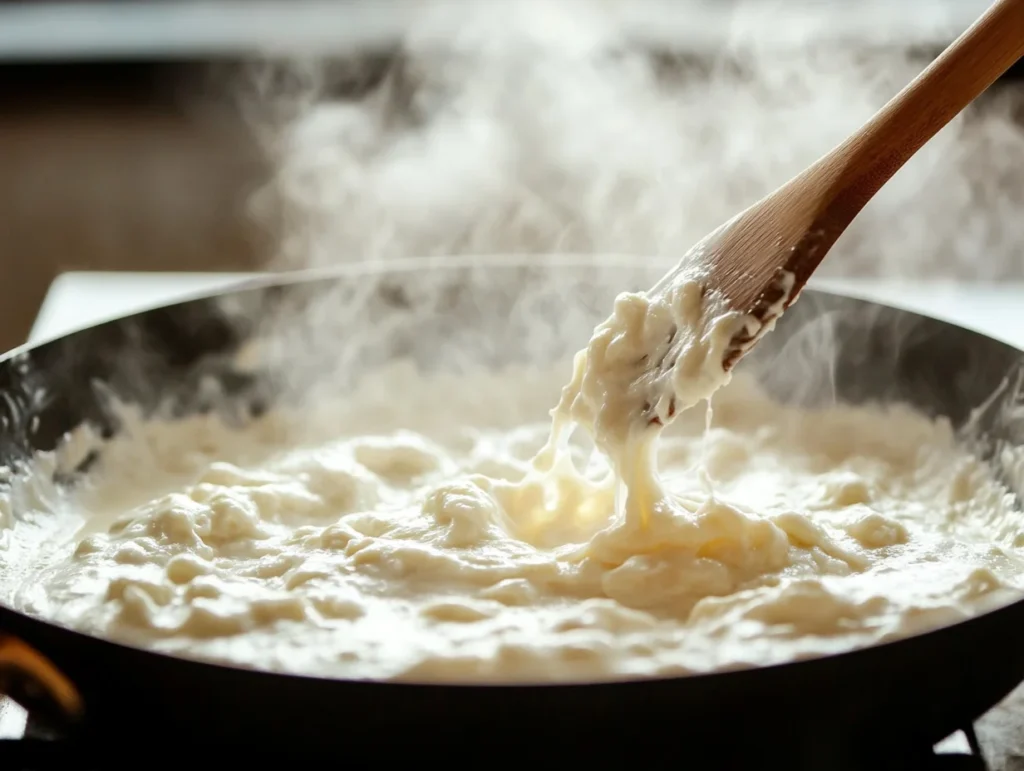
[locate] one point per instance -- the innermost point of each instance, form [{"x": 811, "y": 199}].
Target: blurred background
[{"x": 219, "y": 135}]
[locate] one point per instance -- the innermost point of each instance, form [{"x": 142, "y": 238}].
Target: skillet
[{"x": 878, "y": 707}]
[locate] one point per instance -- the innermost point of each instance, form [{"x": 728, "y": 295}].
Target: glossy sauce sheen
[{"x": 441, "y": 529}]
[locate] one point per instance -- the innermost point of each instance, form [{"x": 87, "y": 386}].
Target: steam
[{"x": 538, "y": 127}]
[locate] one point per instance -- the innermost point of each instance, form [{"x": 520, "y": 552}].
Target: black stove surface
[{"x": 41, "y": 750}]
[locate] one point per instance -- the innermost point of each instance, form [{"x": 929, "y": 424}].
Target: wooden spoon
[{"x": 760, "y": 260}]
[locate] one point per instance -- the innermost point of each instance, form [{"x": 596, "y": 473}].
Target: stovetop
[
  {"x": 80, "y": 299},
  {"x": 19, "y": 755}
]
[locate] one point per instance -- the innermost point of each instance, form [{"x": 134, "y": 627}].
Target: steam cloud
[{"x": 537, "y": 127}]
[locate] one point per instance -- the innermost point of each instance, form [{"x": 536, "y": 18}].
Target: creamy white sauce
[
  {"x": 438, "y": 529},
  {"x": 659, "y": 354}
]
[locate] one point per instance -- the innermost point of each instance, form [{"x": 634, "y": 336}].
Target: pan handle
[{"x": 33, "y": 681}]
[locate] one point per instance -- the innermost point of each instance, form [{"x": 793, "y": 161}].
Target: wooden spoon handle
[{"x": 856, "y": 169}]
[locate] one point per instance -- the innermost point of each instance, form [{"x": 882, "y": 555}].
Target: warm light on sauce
[{"x": 442, "y": 529}]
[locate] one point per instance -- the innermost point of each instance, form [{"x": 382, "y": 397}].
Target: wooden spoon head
[
  {"x": 760, "y": 261},
  {"x": 747, "y": 273}
]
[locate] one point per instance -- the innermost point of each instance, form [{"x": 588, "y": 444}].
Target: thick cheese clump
[{"x": 438, "y": 529}]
